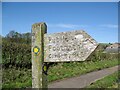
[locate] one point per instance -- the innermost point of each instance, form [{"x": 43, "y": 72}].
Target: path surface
[{"x": 83, "y": 80}]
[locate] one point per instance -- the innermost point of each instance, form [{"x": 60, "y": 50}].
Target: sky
[{"x": 98, "y": 19}]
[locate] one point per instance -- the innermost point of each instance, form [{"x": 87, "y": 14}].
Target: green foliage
[
  {"x": 16, "y": 77},
  {"x": 14, "y": 54},
  {"x": 16, "y": 50},
  {"x": 16, "y": 37},
  {"x": 99, "y": 55}
]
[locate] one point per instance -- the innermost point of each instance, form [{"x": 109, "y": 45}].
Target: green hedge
[
  {"x": 14, "y": 54},
  {"x": 99, "y": 55}
]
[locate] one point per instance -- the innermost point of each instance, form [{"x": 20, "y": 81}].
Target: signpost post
[{"x": 59, "y": 47}]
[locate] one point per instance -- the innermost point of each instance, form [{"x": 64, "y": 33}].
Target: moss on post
[{"x": 39, "y": 79}]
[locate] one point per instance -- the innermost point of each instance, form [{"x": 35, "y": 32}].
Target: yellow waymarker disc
[{"x": 36, "y": 50}]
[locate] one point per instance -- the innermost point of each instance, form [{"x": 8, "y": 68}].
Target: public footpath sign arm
[
  {"x": 68, "y": 46},
  {"x": 39, "y": 78}
]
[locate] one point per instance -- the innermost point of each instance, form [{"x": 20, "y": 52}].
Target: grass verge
[
  {"x": 110, "y": 81},
  {"x": 17, "y": 78},
  {"x": 71, "y": 69},
  {"x": 22, "y": 78}
]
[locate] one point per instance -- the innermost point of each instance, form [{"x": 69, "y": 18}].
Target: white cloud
[
  {"x": 71, "y": 26},
  {"x": 109, "y": 25},
  {"x": 67, "y": 25},
  {"x": 76, "y": 26}
]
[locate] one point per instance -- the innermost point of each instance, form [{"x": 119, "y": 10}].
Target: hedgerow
[{"x": 16, "y": 54}]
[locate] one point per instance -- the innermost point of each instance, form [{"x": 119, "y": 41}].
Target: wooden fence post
[{"x": 39, "y": 78}]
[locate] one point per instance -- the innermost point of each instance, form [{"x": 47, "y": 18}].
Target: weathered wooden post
[{"x": 39, "y": 78}]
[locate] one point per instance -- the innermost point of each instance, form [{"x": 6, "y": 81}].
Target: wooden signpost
[
  {"x": 39, "y": 78},
  {"x": 59, "y": 47}
]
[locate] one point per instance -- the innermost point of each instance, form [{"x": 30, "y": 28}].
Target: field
[{"x": 17, "y": 65}]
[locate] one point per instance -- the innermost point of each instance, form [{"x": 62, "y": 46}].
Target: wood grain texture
[{"x": 39, "y": 79}]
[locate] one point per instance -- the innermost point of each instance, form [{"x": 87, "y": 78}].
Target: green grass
[
  {"x": 66, "y": 70},
  {"x": 16, "y": 77},
  {"x": 22, "y": 78},
  {"x": 110, "y": 81}
]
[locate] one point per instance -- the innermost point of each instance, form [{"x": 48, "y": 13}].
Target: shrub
[{"x": 16, "y": 54}]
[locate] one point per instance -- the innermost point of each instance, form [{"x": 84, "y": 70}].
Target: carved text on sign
[{"x": 68, "y": 46}]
